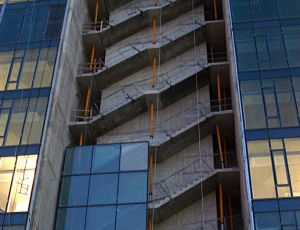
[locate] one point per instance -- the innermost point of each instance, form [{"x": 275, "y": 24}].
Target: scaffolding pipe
[
  {"x": 220, "y": 145},
  {"x": 96, "y": 12},
  {"x": 219, "y": 91},
  {"x": 154, "y": 71},
  {"x": 81, "y": 139},
  {"x": 87, "y": 101},
  {"x": 215, "y": 10},
  {"x": 150, "y": 174},
  {"x": 154, "y": 30},
  {"x": 221, "y": 205},
  {"x": 151, "y": 119},
  {"x": 225, "y": 154},
  {"x": 230, "y": 213},
  {"x": 92, "y": 57},
  {"x": 212, "y": 54}
]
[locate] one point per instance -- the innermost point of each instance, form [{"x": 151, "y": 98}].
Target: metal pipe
[
  {"x": 92, "y": 57},
  {"x": 155, "y": 2},
  {"x": 219, "y": 91},
  {"x": 221, "y": 204},
  {"x": 220, "y": 145},
  {"x": 87, "y": 101},
  {"x": 230, "y": 213},
  {"x": 151, "y": 119},
  {"x": 154, "y": 71},
  {"x": 149, "y": 222},
  {"x": 154, "y": 30}
]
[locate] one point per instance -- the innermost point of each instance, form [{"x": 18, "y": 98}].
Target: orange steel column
[
  {"x": 225, "y": 154},
  {"x": 81, "y": 139},
  {"x": 149, "y": 222},
  {"x": 92, "y": 57},
  {"x": 154, "y": 71},
  {"x": 212, "y": 54},
  {"x": 87, "y": 101},
  {"x": 230, "y": 213},
  {"x": 220, "y": 145},
  {"x": 150, "y": 174},
  {"x": 221, "y": 204},
  {"x": 96, "y": 12},
  {"x": 151, "y": 119},
  {"x": 219, "y": 91},
  {"x": 154, "y": 30},
  {"x": 215, "y": 10},
  {"x": 155, "y": 2}
]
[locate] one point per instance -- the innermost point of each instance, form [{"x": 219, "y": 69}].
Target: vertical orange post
[
  {"x": 225, "y": 154},
  {"x": 87, "y": 101},
  {"x": 154, "y": 71},
  {"x": 215, "y": 9},
  {"x": 155, "y": 2},
  {"x": 81, "y": 139},
  {"x": 224, "y": 99},
  {"x": 150, "y": 174},
  {"x": 220, "y": 145},
  {"x": 96, "y": 12},
  {"x": 230, "y": 213},
  {"x": 92, "y": 57},
  {"x": 149, "y": 222},
  {"x": 154, "y": 30},
  {"x": 151, "y": 119},
  {"x": 219, "y": 91},
  {"x": 212, "y": 54},
  {"x": 221, "y": 204}
]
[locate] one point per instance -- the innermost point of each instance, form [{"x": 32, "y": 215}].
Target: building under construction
[{"x": 149, "y": 114}]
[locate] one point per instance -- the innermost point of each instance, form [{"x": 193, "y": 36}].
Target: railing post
[
  {"x": 220, "y": 145},
  {"x": 154, "y": 71}
]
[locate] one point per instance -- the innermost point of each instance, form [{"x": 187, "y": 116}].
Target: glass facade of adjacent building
[
  {"x": 29, "y": 38},
  {"x": 104, "y": 187},
  {"x": 266, "y": 37}
]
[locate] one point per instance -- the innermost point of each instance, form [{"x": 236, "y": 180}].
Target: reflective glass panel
[
  {"x": 103, "y": 189},
  {"x": 71, "y": 219},
  {"x": 5, "y": 63},
  {"x": 269, "y": 220},
  {"x": 134, "y": 156},
  {"x": 101, "y": 218},
  {"x": 106, "y": 158},
  {"x": 78, "y": 160},
  {"x": 131, "y": 217},
  {"x": 132, "y": 187},
  {"x": 74, "y": 190}
]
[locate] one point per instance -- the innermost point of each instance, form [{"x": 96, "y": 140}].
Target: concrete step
[{"x": 168, "y": 207}]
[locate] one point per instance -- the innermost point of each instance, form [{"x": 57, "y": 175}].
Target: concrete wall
[
  {"x": 56, "y": 136},
  {"x": 192, "y": 217}
]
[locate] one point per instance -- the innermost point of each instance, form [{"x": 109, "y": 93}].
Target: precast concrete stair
[
  {"x": 111, "y": 117},
  {"x": 139, "y": 17},
  {"x": 132, "y": 58},
  {"x": 194, "y": 191}
]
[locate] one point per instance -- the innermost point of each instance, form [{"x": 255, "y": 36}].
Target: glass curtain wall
[
  {"x": 266, "y": 37},
  {"x": 104, "y": 187},
  {"x": 29, "y": 38}
]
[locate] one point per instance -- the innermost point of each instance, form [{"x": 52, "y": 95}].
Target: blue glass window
[
  {"x": 134, "y": 151},
  {"x": 106, "y": 158},
  {"x": 71, "y": 219},
  {"x": 101, "y": 217}
]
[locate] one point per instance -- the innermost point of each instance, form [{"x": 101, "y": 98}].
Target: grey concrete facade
[{"x": 192, "y": 48}]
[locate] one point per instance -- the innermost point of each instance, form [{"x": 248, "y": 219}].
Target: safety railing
[
  {"x": 179, "y": 180},
  {"x": 81, "y": 115}
]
